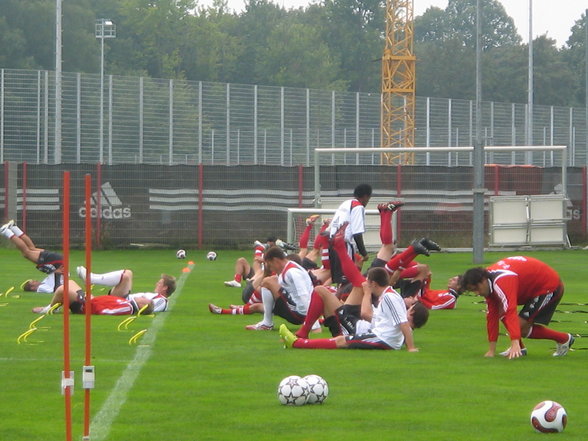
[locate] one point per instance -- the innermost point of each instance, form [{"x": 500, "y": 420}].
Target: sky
[{"x": 555, "y": 18}]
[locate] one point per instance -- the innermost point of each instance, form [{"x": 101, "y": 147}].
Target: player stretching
[{"x": 516, "y": 281}]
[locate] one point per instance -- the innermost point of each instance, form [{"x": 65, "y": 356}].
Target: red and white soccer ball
[
  {"x": 181, "y": 254},
  {"x": 318, "y": 389},
  {"x": 549, "y": 417},
  {"x": 293, "y": 391}
]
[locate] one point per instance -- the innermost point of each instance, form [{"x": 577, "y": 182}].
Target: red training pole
[
  {"x": 67, "y": 380},
  {"x": 200, "y": 196},
  {"x": 88, "y": 370},
  {"x": 23, "y": 219}
]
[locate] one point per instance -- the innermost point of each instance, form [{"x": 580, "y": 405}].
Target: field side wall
[{"x": 230, "y": 207}]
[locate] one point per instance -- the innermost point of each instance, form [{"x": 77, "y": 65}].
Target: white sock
[
  {"x": 268, "y": 306},
  {"x": 17, "y": 230},
  {"x": 108, "y": 279}
]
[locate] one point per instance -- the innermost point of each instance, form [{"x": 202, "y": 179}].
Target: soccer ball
[
  {"x": 549, "y": 417},
  {"x": 181, "y": 254},
  {"x": 293, "y": 391},
  {"x": 211, "y": 255},
  {"x": 318, "y": 389}
]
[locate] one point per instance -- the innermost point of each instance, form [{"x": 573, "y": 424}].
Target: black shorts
[
  {"x": 285, "y": 309},
  {"x": 347, "y": 317},
  {"x": 365, "y": 341},
  {"x": 540, "y": 309},
  {"x": 337, "y": 275},
  {"x": 378, "y": 263},
  {"x": 49, "y": 261},
  {"x": 308, "y": 264},
  {"x": 250, "y": 274},
  {"x": 247, "y": 292}
]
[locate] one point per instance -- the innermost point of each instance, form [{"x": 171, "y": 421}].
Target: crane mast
[{"x": 398, "y": 81}]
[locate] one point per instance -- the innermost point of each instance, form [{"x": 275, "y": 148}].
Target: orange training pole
[
  {"x": 88, "y": 374},
  {"x": 67, "y": 380}
]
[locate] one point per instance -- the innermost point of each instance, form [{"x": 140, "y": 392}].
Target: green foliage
[
  {"x": 206, "y": 378},
  {"x": 331, "y": 44}
]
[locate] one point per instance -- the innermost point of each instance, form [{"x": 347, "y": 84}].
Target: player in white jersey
[
  {"x": 287, "y": 294},
  {"x": 47, "y": 286},
  {"x": 358, "y": 324},
  {"x": 351, "y": 212},
  {"x": 388, "y": 327},
  {"x": 121, "y": 282}
]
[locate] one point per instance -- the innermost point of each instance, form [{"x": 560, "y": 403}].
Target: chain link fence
[{"x": 156, "y": 121}]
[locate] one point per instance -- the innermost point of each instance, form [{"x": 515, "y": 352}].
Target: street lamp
[{"x": 104, "y": 28}]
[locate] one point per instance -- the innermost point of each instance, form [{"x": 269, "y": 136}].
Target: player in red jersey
[
  {"x": 516, "y": 281},
  {"x": 101, "y": 305}
]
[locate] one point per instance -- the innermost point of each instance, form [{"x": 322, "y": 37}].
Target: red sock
[
  {"x": 385, "y": 227},
  {"x": 544, "y": 333},
  {"x": 315, "y": 310},
  {"x": 305, "y": 235},
  {"x": 319, "y": 343},
  {"x": 401, "y": 260},
  {"x": 349, "y": 268},
  {"x": 409, "y": 273},
  {"x": 238, "y": 277}
]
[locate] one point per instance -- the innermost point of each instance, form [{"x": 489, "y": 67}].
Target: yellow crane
[{"x": 398, "y": 81}]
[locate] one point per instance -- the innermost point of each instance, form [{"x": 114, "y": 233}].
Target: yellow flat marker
[
  {"x": 134, "y": 338},
  {"x": 25, "y": 335},
  {"x": 3, "y": 304},
  {"x": 8, "y": 291},
  {"x": 142, "y": 309},
  {"x": 22, "y": 285},
  {"x": 126, "y": 322},
  {"x": 53, "y": 308},
  {"x": 34, "y": 322}
]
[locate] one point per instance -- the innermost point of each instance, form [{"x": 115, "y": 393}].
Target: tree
[{"x": 575, "y": 57}]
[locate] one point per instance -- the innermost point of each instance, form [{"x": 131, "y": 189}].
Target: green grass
[{"x": 209, "y": 379}]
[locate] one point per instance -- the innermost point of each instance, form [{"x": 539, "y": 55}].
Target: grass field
[{"x": 198, "y": 376}]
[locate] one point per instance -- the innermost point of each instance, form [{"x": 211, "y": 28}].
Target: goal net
[
  {"x": 436, "y": 186},
  {"x": 297, "y": 223}
]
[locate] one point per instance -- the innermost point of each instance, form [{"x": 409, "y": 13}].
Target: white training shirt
[
  {"x": 159, "y": 301},
  {"x": 50, "y": 283},
  {"x": 387, "y": 317},
  {"x": 298, "y": 285},
  {"x": 351, "y": 211}
]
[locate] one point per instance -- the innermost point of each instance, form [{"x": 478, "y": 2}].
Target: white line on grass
[{"x": 102, "y": 422}]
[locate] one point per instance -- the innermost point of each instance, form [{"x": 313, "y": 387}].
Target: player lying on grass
[
  {"x": 101, "y": 305},
  {"x": 513, "y": 281},
  {"x": 46, "y": 261},
  {"x": 121, "y": 283},
  {"x": 358, "y": 324},
  {"x": 409, "y": 276}
]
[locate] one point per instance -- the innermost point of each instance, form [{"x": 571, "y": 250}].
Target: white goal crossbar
[{"x": 467, "y": 149}]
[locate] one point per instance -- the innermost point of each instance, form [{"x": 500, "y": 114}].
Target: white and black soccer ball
[
  {"x": 211, "y": 255},
  {"x": 318, "y": 389},
  {"x": 181, "y": 254},
  {"x": 549, "y": 417},
  {"x": 293, "y": 391}
]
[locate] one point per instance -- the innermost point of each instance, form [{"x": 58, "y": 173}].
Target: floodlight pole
[
  {"x": 104, "y": 28},
  {"x": 58, "y": 62},
  {"x": 478, "y": 156},
  {"x": 529, "y": 158}
]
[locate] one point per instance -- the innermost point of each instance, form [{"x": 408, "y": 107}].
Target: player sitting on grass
[
  {"x": 285, "y": 294},
  {"x": 243, "y": 270},
  {"x": 121, "y": 282},
  {"x": 388, "y": 326},
  {"x": 101, "y": 305}
]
